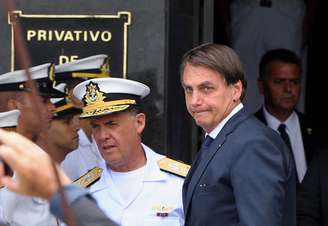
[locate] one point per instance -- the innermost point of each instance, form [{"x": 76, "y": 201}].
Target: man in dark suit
[
  {"x": 22, "y": 154},
  {"x": 245, "y": 176},
  {"x": 280, "y": 84},
  {"x": 312, "y": 196}
]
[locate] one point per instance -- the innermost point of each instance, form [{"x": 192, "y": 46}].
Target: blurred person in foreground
[
  {"x": 15, "y": 92},
  {"x": 22, "y": 154},
  {"x": 8, "y": 121}
]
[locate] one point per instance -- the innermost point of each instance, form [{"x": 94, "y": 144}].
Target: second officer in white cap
[{"x": 137, "y": 186}]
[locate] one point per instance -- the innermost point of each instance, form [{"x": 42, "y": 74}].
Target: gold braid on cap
[
  {"x": 104, "y": 72},
  {"x": 51, "y": 75},
  {"x": 95, "y": 104},
  {"x": 64, "y": 107}
]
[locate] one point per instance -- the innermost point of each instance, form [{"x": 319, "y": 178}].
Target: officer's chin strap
[{"x": 25, "y": 63}]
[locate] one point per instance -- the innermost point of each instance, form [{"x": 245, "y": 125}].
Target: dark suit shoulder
[
  {"x": 260, "y": 115},
  {"x": 312, "y": 199},
  {"x": 305, "y": 122}
]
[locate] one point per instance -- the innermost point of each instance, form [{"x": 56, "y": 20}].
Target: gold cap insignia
[
  {"x": 175, "y": 167},
  {"x": 95, "y": 104},
  {"x": 89, "y": 178},
  {"x": 93, "y": 95},
  {"x": 51, "y": 73},
  {"x": 105, "y": 68}
]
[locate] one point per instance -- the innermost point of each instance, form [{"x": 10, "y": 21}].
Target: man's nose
[
  {"x": 288, "y": 86},
  {"x": 195, "y": 98},
  {"x": 102, "y": 133}
]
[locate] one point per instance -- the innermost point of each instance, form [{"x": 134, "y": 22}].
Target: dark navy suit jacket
[
  {"x": 246, "y": 178},
  {"x": 312, "y": 197}
]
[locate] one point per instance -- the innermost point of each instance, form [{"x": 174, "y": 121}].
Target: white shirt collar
[
  {"x": 219, "y": 127},
  {"x": 293, "y": 130},
  {"x": 274, "y": 123}
]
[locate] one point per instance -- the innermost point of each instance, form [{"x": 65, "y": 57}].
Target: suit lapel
[
  {"x": 191, "y": 183},
  {"x": 306, "y": 131},
  {"x": 260, "y": 116}
]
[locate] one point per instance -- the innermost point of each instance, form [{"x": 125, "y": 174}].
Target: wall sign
[{"x": 62, "y": 38}]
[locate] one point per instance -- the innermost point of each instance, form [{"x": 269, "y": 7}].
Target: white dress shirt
[
  {"x": 219, "y": 127},
  {"x": 293, "y": 130}
]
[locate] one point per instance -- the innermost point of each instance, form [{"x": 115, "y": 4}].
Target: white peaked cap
[
  {"x": 62, "y": 88},
  {"x": 37, "y": 72},
  {"x": 88, "y": 63},
  {"x": 107, "y": 95},
  {"x": 42, "y": 75},
  {"x": 9, "y": 118}
]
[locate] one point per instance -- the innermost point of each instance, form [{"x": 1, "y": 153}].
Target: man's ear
[
  {"x": 12, "y": 104},
  {"x": 237, "y": 90},
  {"x": 140, "y": 122}
]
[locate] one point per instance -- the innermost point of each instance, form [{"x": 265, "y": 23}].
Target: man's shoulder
[
  {"x": 170, "y": 166},
  {"x": 304, "y": 120},
  {"x": 253, "y": 129},
  {"x": 89, "y": 178},
  {"x": 173, "y": 167},
  {"x": 259, "y": 114}
]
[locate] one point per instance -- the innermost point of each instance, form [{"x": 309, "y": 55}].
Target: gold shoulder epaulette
[
  {"x": 89, "y": 178},
  {"x": 175, "y": 167}
]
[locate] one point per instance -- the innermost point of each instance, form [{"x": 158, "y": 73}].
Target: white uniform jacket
[
  {"x": 157, "y": 203},
  {"x": 2, "y": 221},
  {"x": 20, "y": 210}
]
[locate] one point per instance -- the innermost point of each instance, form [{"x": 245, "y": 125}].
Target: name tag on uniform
[{"x": 162, "y": 210}]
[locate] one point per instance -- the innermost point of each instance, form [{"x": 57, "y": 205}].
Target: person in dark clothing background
[
  {"x": 280, "y": 84},
  {"x": 312, "y": 197}
]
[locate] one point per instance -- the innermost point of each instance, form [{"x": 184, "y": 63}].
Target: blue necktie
[{"x": 205, "y": 146}]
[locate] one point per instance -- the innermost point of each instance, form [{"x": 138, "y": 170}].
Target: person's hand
[{"x": 34, "y": 173}]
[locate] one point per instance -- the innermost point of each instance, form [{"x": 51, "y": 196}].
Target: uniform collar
[
  {"x": 83, "y": 139},
  {"x": 152, "y": 171}
]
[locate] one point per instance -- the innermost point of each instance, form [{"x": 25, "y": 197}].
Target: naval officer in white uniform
[
  {"x": 137, "y": 186},
  {"x": 20, "y": 210},
  {"x": 86, "y": 156}
]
